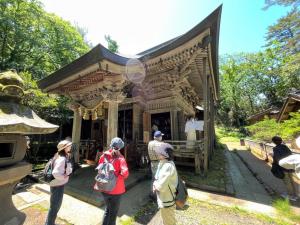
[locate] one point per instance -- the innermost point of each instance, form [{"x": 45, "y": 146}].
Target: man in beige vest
[
  {"x": 154, "y": 160},
  {"x": 152, "y": 146}
]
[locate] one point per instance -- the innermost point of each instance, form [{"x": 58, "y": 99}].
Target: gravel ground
[{"x": 200, "y": 213}]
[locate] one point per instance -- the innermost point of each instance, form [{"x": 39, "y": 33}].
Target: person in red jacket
[{"x": 112, "y": 198}]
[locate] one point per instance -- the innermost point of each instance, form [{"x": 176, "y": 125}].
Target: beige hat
[{"x": 63, "y": 144}]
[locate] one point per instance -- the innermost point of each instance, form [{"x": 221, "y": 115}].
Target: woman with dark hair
[
  {"x": 61, "y": 170},
  {"x": 166, "y": 181}
]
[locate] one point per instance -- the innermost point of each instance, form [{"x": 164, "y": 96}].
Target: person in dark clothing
[{"x": 281, "y": 151}]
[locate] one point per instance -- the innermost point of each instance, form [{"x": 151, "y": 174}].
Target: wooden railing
[
  {"x": 262, "y": 149},
  {"x": 180, "y": 152}
]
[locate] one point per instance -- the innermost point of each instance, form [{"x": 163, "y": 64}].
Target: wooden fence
[{"x": 181, "y": 153}]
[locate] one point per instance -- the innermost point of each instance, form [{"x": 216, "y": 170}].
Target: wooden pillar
[
  {"x": 174, "y": 124},
  {"x": 197, "y": 160},
  {"x": 206, "y": 112},
  {"x": 136, "y": 122},
  {"x": 76, "y": 133},
  {"x": 181, "y": 125},
  {"x": 209, "y": 120},
  {"x": 146, "y": 127},
  {"x": 112, "y": 121},
  {"x": 212, "y": 123}
]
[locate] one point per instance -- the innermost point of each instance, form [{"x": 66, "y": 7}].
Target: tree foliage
[
  {"x": 253, "y": 82},
  {"x": 112, "y": 45},
  {"x": 36, "y": 41},
  {"x": 257, "y": 81},
  {"x": 266, "y": 129},
  {"x": 286, "y": 32},
  {"x": 49, "y": 106},
  {"x": 269, "y": 3}
]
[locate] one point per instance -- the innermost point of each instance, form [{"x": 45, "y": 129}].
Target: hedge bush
[{"x": 266, "y": 129}]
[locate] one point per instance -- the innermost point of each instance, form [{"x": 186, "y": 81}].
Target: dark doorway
[
  {"x": 199, "y": 115},
  {"x": 163, "y": 123},
  {"x": 86, "y": 127},
  {"x": 125, "y": 125}
]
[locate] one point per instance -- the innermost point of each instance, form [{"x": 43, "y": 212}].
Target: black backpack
[
  {"x": 48, "y": 177},
  {"x": 181, "y": 194}
]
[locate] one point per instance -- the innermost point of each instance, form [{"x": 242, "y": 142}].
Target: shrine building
[{"x": 113, "y": 95}]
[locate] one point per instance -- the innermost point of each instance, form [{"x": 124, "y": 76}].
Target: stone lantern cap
[
  {"x": 19, "y": 119},
  {"x": 16, "y": 118}
]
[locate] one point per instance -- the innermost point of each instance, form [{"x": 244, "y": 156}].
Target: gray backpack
[{"x": 105, "y": 179}]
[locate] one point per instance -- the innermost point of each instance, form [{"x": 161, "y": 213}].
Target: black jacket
[{"x": 279, "y": 152}]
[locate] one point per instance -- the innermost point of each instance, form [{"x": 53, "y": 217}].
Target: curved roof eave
[
  {"x": 99, "y": 52},
  {"x": 95, "y": 55}
]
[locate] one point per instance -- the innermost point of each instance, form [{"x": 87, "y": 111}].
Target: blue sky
[{"x": 139, "y": 24}]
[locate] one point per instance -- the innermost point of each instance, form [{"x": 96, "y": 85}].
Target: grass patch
[
  {"x": 203, "y": 212},
  {"x": 40, "y": 208},
  {"x": 216, "y": 176},
  {"x": 284, "y": 209},
  {"x": 38, "y": 166},
  {"x": 143, "y": 216},
  {"x": 239, "y": 211},
  {"x": 228, "y": 134},
  {"x": 128, "y": 221},
  {"x": 43, "y": 209}
]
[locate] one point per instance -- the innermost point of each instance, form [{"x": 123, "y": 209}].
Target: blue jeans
[
  {"x": 56, "y": 198},
  {"x": 112, "y": 203}
]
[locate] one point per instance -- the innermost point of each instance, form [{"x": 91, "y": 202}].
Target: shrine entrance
[
  {"x": 125, "y": 125},
  {"x": 162, "y": 122}
]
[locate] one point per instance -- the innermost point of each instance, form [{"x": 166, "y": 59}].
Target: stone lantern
[{"x": 16, "y": 120}]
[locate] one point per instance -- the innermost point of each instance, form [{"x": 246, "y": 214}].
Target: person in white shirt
[
  {"x": 190, "y": 130},
  {"x": 166, "y": 181},
  {"x": 61, "y": 170}
]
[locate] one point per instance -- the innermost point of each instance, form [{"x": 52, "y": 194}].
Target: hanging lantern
[
  {"x": 80, "y": 110},
  {"x": 99, "y": 111},
  {"x": 86, "y": 115},
  {"x": 94, "y": 115}
]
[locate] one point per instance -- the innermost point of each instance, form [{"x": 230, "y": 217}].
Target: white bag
[{"x": 291, "y": 162}]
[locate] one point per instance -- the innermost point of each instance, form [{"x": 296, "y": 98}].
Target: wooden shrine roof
[
  {"x": 99, "y": 53},
  {"x": 291, "y": 104}
]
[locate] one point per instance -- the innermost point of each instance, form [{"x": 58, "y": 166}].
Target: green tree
[
  {"x": 35, "y": 41},
  {"x": 51, "y": 107},
  {"x": 112, "y": 45},
  {"x": 286, "y": 32},
  {"x": 269, "y": 3},
  {"x": 253, "y": 82},
  {"x": 230, "y": 110}
]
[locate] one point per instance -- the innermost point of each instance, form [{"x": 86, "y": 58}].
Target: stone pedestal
[{"x": 9, "y": 176}]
